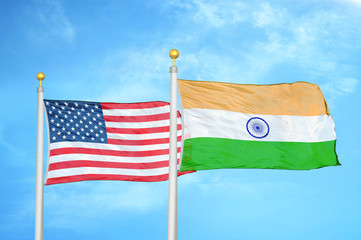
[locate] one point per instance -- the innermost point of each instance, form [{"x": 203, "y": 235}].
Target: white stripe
[
  {"x": 161, "y": 123},
  {"x": 115, "y": 171},
  {"x": 110, "y": 146},
  {"x": 226, "y": 124},
  {"x": 103, "y": 158},
  {"x": 136, "y": 112},
  {"x": 141, "y": 136}
]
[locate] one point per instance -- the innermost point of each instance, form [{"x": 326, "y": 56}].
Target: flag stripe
[
  {"x": 136, "y": 112},
  {"x": 145, "y": 118},
  {"x": 215, "y": 153},
  {"x": 282, "y": 128},
  {"x": 72, "y": 150},
  {"x": 141, "y": 130},
  {"x": 299, "y": 99},
  {"x": 87, "y": 177},
  {"x": 139, "y": 124},
  {"x": 72, "y": 157},
  {"x": 141, "y": 142},
  {"x": 141, "y": 136},
  {"x": 60, "y": 145},
  {"x": 143, "y": 105},
  {"x": 102, "y": 164}
]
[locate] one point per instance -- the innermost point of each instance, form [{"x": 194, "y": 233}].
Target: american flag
[{"x": 108, "y": 141}]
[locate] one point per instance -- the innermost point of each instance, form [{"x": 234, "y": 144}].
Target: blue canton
[{"x": 75, "y": 121}]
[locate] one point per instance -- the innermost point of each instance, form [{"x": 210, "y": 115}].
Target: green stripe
[{"x": 215, "y": 153}]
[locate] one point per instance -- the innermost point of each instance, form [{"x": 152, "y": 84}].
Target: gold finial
[
  {"x": 173, "y": 54},
  {"x": 40, "y": 76}
]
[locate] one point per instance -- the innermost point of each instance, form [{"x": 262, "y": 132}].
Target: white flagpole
[
  {"x": 172, "y": 189},
  {"x": 39, "y": 197}
]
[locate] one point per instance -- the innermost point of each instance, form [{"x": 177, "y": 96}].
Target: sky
[{"x": 117, "y": 51}]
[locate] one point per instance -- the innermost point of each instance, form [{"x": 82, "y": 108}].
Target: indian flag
[{"x": 281, "y": 126}]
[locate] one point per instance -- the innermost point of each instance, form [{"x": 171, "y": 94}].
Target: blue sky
[{"x": 118, "y": 51}]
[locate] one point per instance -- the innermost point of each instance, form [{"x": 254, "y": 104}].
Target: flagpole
[
  {"x": 172, "y": 188},
  {"x": 39, "y": 192}
]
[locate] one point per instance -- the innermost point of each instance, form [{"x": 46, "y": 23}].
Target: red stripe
[
  {"x": 141, "y": 142},
  {"x": 101, "y": 164},
  {"x": 85, "y": 177},
  {"x": 144, "y": 118},
  {"x": 141, "y": 130},
  {"x": 134, "y": 105},
  {"x": 93, "y": 151}
]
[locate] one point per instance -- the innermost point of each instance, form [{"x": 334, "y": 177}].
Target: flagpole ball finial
[
  {"x": 40, "y": 76},
  {"x": 173, "y": 54}
]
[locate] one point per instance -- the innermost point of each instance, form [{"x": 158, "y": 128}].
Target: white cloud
[
  {"x": 53, "y": 23},
  {"x": 213, "y": 13}
]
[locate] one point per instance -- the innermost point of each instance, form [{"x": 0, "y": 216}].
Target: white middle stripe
[{"x": 283, "y": 128}]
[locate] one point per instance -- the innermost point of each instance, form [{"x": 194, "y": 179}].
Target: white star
[
  {"x": 78, "y": 113},
  {"x": 92, "y": 110},
  {"x": 61, "y": 120},
  {"x": 78, "y": 133},
  {"x": 102, "y": 139},
  {"x": 65, "y": 103},
  {"x": 98, "y": 115},
  {"x": 72, "y": 129},
  {"x": 63, "y": 129},
  {"x": 100, "y": 123},
  {"x": 84, "y": 118},
  {"x": 76, "y": 125},
  {"x": 86, "y": 126},
  {"x": 58, "y": 124},
  {"x": 71, "y": 120},
  {"x": 91, "y": 130},
  {"x": 101, "y": 131},
  {"x": 94, "y": 119},
  {"x": 86, "y": 105},
  {"x": 73, "y": 136},
  {"x": 83, "y": 137},
  {"x": 53, "y": 107},
  {"x": 50, "y": 112},
  {"x": 81, "y": 121},
  {"x": 69, "y": 112},
  {"x": 64, "y": 137},
  {"x": 76, "y": 104},
  {"x": 92, "y": 139},
  {"x": 54, "y": 138},
  {"x": 96, "y": 106},
  {"x": 52, "y": 120},
  {"x": 68, "y": 133},
  {"x": 66, "y": 116},
  {"x": 97, "y": 135},
  {"x": 59, "y": 133},
  {"x": 59, "y": 112},
  {"x": 72, "y": 108},
  {"x": 56, "y": 103},
  {"x": 53, "y": 129},
  {"x": 75, "y": 117},
  {"x": 88, "y": 114},
  {"x": 47, "y": 103},
  {"x": 95, "y": 127},
  {"x": 62, "y": 107},
  {"x": 90, "y": 123},
  {"x": 87, "y": 134},
  {"x": 67, "y": 124},
  {"x": 82, "y": 109},
  {"x": 56, "y": 116},
  {"x": 82, "y": 129}
]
